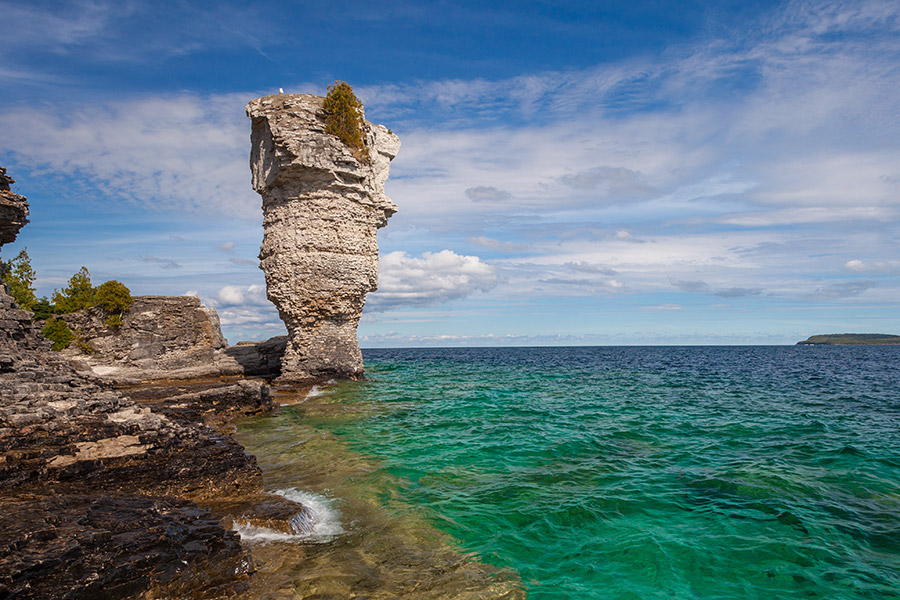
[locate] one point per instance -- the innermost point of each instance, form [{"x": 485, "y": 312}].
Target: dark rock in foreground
[
  {"x": 98, "y": 546},
  {"x": 852, "y": 339}
]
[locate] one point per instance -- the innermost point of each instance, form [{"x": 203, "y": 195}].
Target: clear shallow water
[{"x": 720, "y": 472}]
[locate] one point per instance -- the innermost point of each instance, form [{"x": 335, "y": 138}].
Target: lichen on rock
[{"x": 322, "y": 207}]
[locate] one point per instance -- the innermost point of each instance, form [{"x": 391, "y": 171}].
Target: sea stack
[{"x": 323, "y": 203}]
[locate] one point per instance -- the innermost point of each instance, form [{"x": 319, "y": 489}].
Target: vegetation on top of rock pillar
[
  {"x": 19, "y": 276},
  {"x": 343, "y": 118},
  {"x": 77, "y": 295}
]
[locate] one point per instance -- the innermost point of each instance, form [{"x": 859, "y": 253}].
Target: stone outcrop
[
  {"x": 322, "y": 207},
  {"x": 160, "y": 337},
  {"x": 103, "y": 496},
  {"x": 165, "y": 337},
  {"x": 13, "y": 210}
]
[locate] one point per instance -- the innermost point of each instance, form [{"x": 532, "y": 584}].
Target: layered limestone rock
[
  {"x": 160, "y": 337},
  {"x": 322, "y": 207},
  {"x": 13, "y": 210},
  {"x": 165, "y": 337}
]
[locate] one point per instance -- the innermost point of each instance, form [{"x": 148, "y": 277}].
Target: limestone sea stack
[{"x": 323, "y": 203}]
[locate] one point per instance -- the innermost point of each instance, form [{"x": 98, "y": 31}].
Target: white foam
[
  {"x": 319, "y": 524},
  {"x": 315, "y": 392}
]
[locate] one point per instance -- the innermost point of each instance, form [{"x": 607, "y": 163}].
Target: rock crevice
[{"x": 322, "y": 208}]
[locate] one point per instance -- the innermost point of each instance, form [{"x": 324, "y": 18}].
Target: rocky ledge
[
  {"x": 165, "y": 337},
  {"x": 322, "y": 206}
]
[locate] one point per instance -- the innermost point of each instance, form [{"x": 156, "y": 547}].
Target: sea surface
[{"x": 580, "y": 473}]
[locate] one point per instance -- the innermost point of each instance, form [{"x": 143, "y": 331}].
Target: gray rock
[
  {"x": 13, "y": 210},
  {"x": 322, "y": 207}
]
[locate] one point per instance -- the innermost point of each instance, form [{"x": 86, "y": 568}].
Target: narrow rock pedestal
[{"x": 322, "y": 207}]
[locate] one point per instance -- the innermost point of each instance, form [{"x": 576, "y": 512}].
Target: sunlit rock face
[
  {"x": 13, "y": 210},
  {"x": 322, "y": 207}
]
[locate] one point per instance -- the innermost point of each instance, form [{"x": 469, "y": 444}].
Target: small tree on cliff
[
  {"x": 343, "y": 118},
  {"x": 77, "y": 295},
  {"x": 19, "y": 276},
  {"x": 114, "y": 298}
]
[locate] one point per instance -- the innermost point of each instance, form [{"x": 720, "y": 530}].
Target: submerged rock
[{"x": 322, "y": 206}]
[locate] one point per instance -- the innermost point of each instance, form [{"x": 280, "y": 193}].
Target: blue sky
[{"x": 571, "y": 172}]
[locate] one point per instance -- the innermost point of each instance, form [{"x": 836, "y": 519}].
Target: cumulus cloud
[
  {"x": 434, "y": 278},
  {"x": 227, "y": 247},
  {"x": 235, "y": 295}
]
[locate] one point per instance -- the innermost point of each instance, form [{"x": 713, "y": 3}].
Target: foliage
[
  {"x": 42, "y": 309},
  {"x": 84, "y": 346},
  {"x": 113, "y": 321},
  {"x": 113, "y": 297},
  {"x": 59, "y": 333},
  {"x": 19, "y": 276},
  {"x": 77, "y": 295},
  {"x": 854, "y": 339},
  {"x": 343, "y": 118}
]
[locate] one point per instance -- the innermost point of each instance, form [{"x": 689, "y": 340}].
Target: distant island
[{"x": 852, "y": 339}]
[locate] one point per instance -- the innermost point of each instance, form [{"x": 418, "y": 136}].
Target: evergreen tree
[
  {"x": 19, "y": 276},
  {"x": 343, "y": 118},
  {"x": 77, "y": 295}
]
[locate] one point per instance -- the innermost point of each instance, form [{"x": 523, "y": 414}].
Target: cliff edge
[
  {"x": 13, "y": 210},
  {"x": 322, "y": 207}
]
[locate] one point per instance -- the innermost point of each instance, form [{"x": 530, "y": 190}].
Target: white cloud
[
  {"x": 235, "y": 295},
  {"x": 888, "y": 267},
  {"x": 434, "y": 278}
]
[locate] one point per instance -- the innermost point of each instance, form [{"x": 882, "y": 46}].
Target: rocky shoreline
[
  {"x": 126, "y": 492},
  {"x": 118, "y": 474}
]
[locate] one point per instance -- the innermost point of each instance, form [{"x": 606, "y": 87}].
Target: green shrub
[
  {"x": 59, "y": 333},
  {"x": 113, "y": 297},
  {"x": 343, "y": 118},
  {"x": 84, "y": 346},
  {"x": 19, "y": 276},
  {"x": 77, "y": 295},
  {"x": 113, "y": 322},
  {"x": 42, "y": 309}
]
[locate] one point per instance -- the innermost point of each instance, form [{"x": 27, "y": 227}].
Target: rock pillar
[{"x": 322, "y": 206}]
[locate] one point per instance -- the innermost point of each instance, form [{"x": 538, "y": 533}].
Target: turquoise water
[{"x": 718, "y": 472}]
